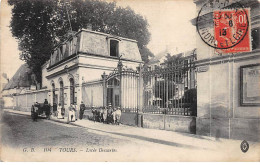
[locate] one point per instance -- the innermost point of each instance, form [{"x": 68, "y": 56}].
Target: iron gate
[{"x": 166, "y": 89}]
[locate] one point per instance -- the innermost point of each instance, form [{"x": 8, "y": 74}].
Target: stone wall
[
  {"x": 24, "y": 101},
  {"x": 129, "y": 118},
  {"x": 92, "y": 94},
  {"x": 185, "y": 124}
]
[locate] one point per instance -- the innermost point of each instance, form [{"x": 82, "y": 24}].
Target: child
[{"x": 71, "y": 113}]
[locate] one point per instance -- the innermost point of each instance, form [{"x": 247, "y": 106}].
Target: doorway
[{"x": 113, "y": 92}]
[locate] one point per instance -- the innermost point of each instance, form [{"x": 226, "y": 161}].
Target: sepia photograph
[{"x": 129, "y": 81}]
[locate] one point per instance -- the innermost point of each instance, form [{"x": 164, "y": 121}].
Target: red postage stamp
[{"x": 231, "y": 30}]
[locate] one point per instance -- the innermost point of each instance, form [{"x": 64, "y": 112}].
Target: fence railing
[{"x": 171, "y": 89}]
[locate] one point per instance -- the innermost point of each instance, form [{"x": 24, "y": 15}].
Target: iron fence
[
  {"x": 171, "y": 88},
  {"x": 168, "y": 89}
]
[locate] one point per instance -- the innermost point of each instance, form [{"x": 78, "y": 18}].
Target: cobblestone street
[{"x": 89, "y": 141}]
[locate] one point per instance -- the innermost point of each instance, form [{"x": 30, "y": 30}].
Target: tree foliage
[
  {"x": 40, "y": 24},
  {"x": 173, "y": 60}
]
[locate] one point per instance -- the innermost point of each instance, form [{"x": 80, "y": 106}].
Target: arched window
[
  {"x": 53, "y": 93},
  {"x": 62, "y": 93},
  {"x": 72, "y": 91}
]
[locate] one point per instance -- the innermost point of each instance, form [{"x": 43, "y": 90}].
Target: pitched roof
[{"x": 20, "y": 79}]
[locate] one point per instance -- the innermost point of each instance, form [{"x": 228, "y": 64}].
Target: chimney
[{"x": 89, "y": 26}]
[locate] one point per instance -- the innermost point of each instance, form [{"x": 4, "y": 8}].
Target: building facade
[
  {"x": 85, "y": 68},
  {"x": 228, "y": 85}
]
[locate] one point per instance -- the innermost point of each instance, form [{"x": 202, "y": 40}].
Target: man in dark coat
[
  {"x": 109, "y": 113},
  {"x": 47, "y": 109},
  {"x": 46, "y": 102},
  {"x": 82, "y": 108}
]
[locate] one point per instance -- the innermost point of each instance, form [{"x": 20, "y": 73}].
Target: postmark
[{"x": 224, "y": 26}]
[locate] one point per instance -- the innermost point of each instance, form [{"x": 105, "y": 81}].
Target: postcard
[{"x": 130, "y": 81}]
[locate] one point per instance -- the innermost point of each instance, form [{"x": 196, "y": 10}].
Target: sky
[{"x": 169, "y": 25}]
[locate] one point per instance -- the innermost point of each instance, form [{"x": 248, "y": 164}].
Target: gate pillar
[{"x": 104, "y": 77}]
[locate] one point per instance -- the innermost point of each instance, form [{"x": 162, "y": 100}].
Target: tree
[
  {"x": 30, "y": 24},
  {"x": 172, "y": 60},
  {"x": 40, "y": 24}
]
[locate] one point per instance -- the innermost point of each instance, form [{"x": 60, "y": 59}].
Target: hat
[{"x": 109, "y": 105}]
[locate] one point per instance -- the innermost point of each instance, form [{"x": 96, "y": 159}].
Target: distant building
[{"x": 22, "y": 81}]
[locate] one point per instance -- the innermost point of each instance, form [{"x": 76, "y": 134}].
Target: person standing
[
  {"x": 35, "y": 109},
  {"x": 76, "y": 111},
  {"x": 59, "y": 116},
  {"x": 46, "y": 102},
  {"x": 47, "y": 109},
  {"x": 82, "y": 108},
  {"x": 71, "y": 112},
  {"x": 105, "y": 115},
  {"x": 109, "y": 113},
  {"x": 94, "y": 112}
]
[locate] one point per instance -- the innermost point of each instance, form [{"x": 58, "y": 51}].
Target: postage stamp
[{"x": 225, "y": 27}]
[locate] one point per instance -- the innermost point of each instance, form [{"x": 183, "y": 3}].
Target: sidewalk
[{"x": 159, "y": 137}]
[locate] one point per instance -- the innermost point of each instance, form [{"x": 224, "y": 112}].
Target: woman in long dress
[{"x": 59, "y": 112}]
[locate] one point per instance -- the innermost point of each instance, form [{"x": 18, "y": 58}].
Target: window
[
  {"x": 72, "y": 91},
  {"x": 255, "y": 39},
  {"x": 53, "y": 93},
  {"x": 114, "y": 48},
  {"x": 62, "y": 93}
]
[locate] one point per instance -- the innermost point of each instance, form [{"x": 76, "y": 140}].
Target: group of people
[
  {"x": 106, "y": 114},
  {"x": 73, "y": 113},
  {"x": 39, "y": 109}
]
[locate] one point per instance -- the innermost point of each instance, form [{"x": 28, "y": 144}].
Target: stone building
[
  {"x": 228, "y": 85},
  {"x": 20, "y": 91},
  {"x": 84, "y": 68}
]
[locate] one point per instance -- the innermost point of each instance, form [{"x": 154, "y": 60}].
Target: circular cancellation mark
[{"x": 222, "y": 24}]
